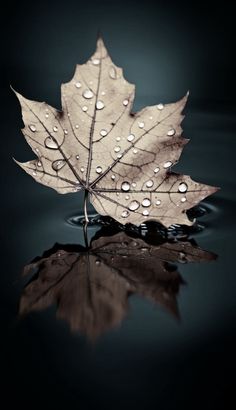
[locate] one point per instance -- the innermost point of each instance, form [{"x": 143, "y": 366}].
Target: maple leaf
[
  {"x": 121, "y": 159},
  {"x": 91, "y": 286}
]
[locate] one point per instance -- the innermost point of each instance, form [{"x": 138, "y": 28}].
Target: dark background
[{"x": 165, "y": 48}]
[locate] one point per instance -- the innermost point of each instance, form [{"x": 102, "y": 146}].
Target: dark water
[{"x": 149, "y": 358}]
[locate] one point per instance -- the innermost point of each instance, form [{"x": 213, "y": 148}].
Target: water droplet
[
  {"x": 88, "y": 94},
  {"x": 68, "y": 114},
  {"x": 134, "y": 205},
  {"x": 37, "y": 150},
  {"x": 96, "y": 61},
  {"x": 76, "y": 126},
  {"x": 117, "y": 149},
  {"x": 146, "y": 202},
  {"x": 34, "y": 173},
  {"x": 77, "y": 157},
  {"x": 145, "y": 212},
  {"x": 130, "y": 137},
  {"x": 100, "y": 105},
  {"x": 98, "y": 170},
  {"x": 182, "y": 257},
  {"x": 158, "y": 202},
  {"x": 98, "y": 262},
  {"x": 46, "y": 115},
  {"x": 119, "y": 156},
  {"x": 112, "y": 72},
  {"x": 160, "y": 106},
  {"x": 183, "y": 199},
  {"x": 134, "y": 184},
  {"x": 103, "y": 93},
  {"x": 156, "y": 170},
  {"x": 82, "y": 169},
  {"x": 167, "y": 164},
  {"x": 125, "y": 102},
  {"x": 113, "y": 177},
  {"x": 117, "y": 194},
  {"x": 125, "y": 214},
  {"x": 39, "y": 164},
  {"x": 50, "y": 143},
  {"x": 55, "y": 129},
  {"x": 58, "y": 164},
  {"x": 183, "y": 187},
  {"x": 149, "y": 183},
  {"x": 127, "y": 197},
  {"x": 135, "y": 150},
  {"x": 141, "y": 124},
  {"x": 65, "y": 132},
  {"x": 85, "y": 108},
  {"x": 118, "y": 139},
  {"x": 125, "y": 186},
  {"x": 171, "y": 132},
  {"x": 103, "y": 133},
  {"x": 32, "y": 128},
  {"x": 150, "y": 118},
  {"x": 78, "y": 84}
]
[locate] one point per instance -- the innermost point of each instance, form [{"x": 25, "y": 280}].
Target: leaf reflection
[{"x": 91, "y": 287}]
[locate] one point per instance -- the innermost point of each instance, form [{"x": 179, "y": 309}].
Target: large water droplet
[
  {"x": 145, "y": 212},
  {"x": 117, "y": 149},
  {"x": 95, "y": 61},
  {"x": 50, "y": 143},
  {"x": 58, "y": 164},
  {"x": 85, "y": 108},
  {"x": 98, "y": 170},
  {"x": 100, "y": 105},
  {"x": 149, "y": 183},
  {"x": 167, "y": 164},
  {"x": 32, "y": 128},
  {"x": 125, "y": 186},
  {"x": 158, "y": 202},
  {"x": 103, "y": 133},
  {"x": 125, "y": 214},
  {"x": 125, "y": 102},
  {"x": 160, "y": 106},
  {"x": 146, "y": 202},
  {"x": 55, "y": 129},
  {"x": 134, "y": 205},
  {"x": 88, "y": 94},
  {"x": 130, "y": 137},
  {"x": 141, "y": 124},
  {"x": 78, "y": 84},
  {"x": 183, "y": 187},
  {"x": 112, "y": 72},
  {"x": 171, "y": 132}
]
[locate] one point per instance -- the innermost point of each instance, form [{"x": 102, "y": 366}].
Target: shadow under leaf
[{"x": 91, "y": 287}]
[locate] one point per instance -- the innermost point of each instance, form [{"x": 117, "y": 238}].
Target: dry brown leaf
[
  {"x": 91, "y": 286},
  {"x": 122, "y": 159}
]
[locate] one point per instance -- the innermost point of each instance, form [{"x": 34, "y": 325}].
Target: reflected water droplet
[
  {"x": 32, "y": 128},
  {"x": 125, "y": 186},
  {"x": 146, "y": 202},
  {"x": 160, "y": 106},
  {"x": 98, "y": 170},
  {"x": 88, "y": 94},
  {"x": 183, "y": 187},
  {"x": 134, "y": 205},
  {"x": 50, "y": 143},
  {"x": 112, "y": 72},
  {"x": 149, "y": 183},
  {"x": 58, "y": 164}
]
